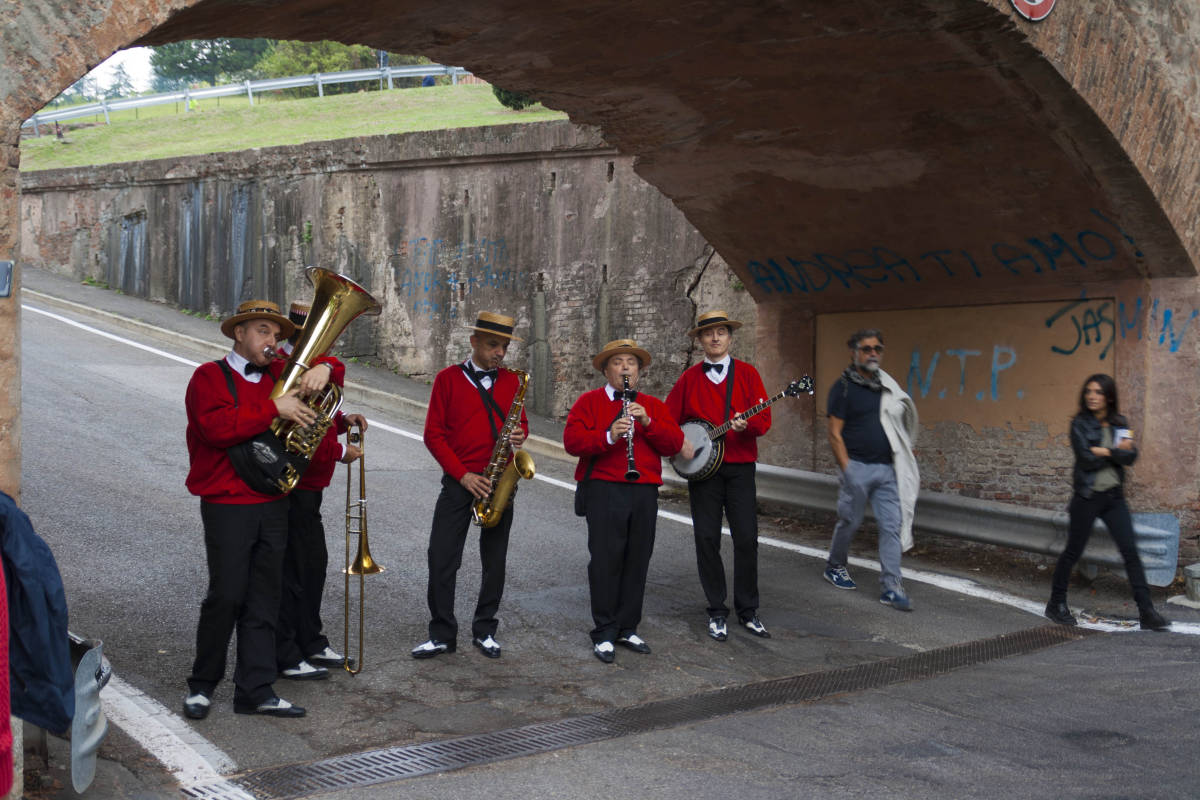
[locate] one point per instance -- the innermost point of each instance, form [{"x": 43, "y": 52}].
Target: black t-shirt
[{"x": 863, "y": 434}]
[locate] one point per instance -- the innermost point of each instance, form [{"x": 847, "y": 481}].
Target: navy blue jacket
[{"x": 41, "y": 679}]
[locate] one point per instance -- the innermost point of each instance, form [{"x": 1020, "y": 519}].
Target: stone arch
[{"x": 855, "y": 155}]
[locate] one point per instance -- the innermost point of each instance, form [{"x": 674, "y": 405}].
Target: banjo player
[{"x": 716, "y": 390}]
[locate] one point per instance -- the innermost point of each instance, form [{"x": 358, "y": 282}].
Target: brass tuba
[
  {"x": 502, "y": 472},
  {"x": 336, "y": 302}
]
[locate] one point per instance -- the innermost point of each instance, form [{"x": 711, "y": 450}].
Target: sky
[{"x": 137, "y": 64}]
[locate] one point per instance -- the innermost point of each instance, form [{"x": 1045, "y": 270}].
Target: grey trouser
[{"x": 877, "y": 483}]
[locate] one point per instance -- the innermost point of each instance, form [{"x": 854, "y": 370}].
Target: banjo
[{"x": 709, "y": 439}]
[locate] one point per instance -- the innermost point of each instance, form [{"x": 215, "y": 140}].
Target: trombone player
[
  {"x": 302, "y": 651},
  {"x": 468, "y": 407}
]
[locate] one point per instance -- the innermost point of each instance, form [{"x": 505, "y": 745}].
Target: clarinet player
[
  {"x": 467, "y": 410},
  {"x": 619, "y": 479}
]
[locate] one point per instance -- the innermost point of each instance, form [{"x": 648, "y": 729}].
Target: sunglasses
[{"x": 870, "y": 348}]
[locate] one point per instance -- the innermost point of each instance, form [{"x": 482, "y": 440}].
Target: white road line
[
  {"x": 189, "y": 757},
  {"x": 151, "y": 724},
  {"x": 112, "y": 336}
]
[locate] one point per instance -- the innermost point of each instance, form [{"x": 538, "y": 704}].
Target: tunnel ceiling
[{"x": 866, "y": 153}]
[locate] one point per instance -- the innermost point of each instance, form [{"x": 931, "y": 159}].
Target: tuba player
[{"x": 467, "y": 408}]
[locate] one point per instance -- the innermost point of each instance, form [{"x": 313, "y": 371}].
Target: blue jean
[{"x": 875, "y": 483}]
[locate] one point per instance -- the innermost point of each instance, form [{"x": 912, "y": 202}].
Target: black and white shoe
[
  {"x": 275, "y": 707},
  {"x": 197, "y": 705},
  {"x": 717, "y": 629},
  {"x": 304, "y": 671},
  {"x": 634, "y": 643},
  {"x": 488, "y": 646},
  {"x": 433, "y": 648},
  {"x": 756, "y": 627},
  {"x": 329, "y": 658},
  {"x": 604, "y": 651}
]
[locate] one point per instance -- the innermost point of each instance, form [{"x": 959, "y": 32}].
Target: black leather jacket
[{"x": 1085, "y": 434}]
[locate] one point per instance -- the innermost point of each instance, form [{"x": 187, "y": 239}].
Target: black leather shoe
[
  {"x": 196, "y": 705},
  {"x": 1058, "y": 612},
  {"x": 329, "y": 658},
  {"x": 304, "y": 671},
  {"x": 756, "y": 627},
  {"x": 634, "y": 643},
  {"x": 1151, "y": 620},
  {"x": 275, "y": 707},
  {"x": 604, "y": 651},
  {"x": 433, "y": 648},
  {"x": 488, "y": 646},
  {"x": 717, "y": 629}
]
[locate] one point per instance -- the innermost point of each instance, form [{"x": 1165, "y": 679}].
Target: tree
[
  {"x": 121, "y": 84},
  {"x": 206, "y": 60},
  {"x": 514, "y": 100}
]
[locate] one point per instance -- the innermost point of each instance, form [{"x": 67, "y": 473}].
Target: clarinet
[{"x": 631, "y": 470}]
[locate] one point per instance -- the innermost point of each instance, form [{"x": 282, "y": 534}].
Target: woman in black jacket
[{"x": 1103, "y": 446}]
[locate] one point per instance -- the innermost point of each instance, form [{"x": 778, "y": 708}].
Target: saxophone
[{"x": 501, "y": 471}]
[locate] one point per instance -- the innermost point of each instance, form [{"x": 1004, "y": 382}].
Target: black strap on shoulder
[
  {"x": 728, "y": 391},
  {"x": 229, "y": 379},
  {"x": 490, "y": 405}
]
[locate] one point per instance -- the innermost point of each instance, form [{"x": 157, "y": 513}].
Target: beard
[{"x": 872, "y": 367}]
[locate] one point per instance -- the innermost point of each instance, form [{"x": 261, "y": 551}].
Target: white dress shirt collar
[
  {"x": 238, "y": 362},
  {"x": 717, "y": 377}
]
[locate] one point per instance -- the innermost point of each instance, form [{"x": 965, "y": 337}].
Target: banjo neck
[{"x": 724, "y": 427}]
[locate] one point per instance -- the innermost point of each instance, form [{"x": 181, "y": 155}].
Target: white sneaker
[{"x": 327, "y": 658}]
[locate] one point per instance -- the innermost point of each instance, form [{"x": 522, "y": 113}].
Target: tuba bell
[{"x": 336, "y": 302}]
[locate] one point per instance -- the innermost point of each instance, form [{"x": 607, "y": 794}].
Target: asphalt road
[{"x": 103, "y": 467}]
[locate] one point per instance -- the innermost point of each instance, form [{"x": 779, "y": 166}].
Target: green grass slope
[{"x": 233, "y": 124}]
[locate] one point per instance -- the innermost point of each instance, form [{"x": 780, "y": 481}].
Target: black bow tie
[
  {"x": 480, "y": 374},
  {"x": 252, "y": 368},
  {"x": 717, "y": 368}
]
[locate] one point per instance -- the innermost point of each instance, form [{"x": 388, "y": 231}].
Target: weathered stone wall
[{"x": 438, "y": 226}]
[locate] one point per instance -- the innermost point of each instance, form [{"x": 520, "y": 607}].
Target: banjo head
[{"x": 708, "y": 453}]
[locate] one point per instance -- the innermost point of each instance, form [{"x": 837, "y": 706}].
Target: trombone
[{"x": 362, "y": 565}]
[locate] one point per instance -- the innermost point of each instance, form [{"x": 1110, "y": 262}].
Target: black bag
[
  {"x": 581, "y": 491},
  {"x": 260, "y": 461}
]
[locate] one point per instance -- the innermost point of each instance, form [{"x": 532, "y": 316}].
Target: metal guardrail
[
  {"x": 1032, "y": 529},
  {"x": 248, "y": 88}
]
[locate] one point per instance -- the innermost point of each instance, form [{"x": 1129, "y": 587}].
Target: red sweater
[
  {"x": 586, "y": 436},
  {"x": 329, "y": 451},
  {"x": 457, "y": 432},
  {"x": 216, "y": 423},
  {"x": 694, "y": 396}
]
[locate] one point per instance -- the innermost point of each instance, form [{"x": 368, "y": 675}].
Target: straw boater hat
[
  {"x": 616, "y": 347},
  {"x": 258, "y": 309},
  {"x": 298, "y": 314},
  {"x": 497, "y": 324},
  {"x": 711, "y": 319}
]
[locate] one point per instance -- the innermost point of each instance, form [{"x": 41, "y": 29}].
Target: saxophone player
[
  {"x": 467, "y": 411},
  {"x": 620, "y": 440}
]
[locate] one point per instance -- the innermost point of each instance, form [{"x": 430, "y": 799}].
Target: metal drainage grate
[{"x": 395, "y": 763}]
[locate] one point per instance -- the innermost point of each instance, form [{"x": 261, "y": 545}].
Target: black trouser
[
  {"x": 730, "y": 490},
  {"x": 451, "y": 519},
  {"x": 1110, "y": 507},
  {"x": 245, "y": 545},
  {"x": 305, "y": 561},
  {"x": 621, "y": 518}
]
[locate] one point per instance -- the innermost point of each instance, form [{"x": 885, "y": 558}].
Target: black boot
[
  {"x": 1151, "y": 620},
  {"x": 1057, "y": 611}
]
